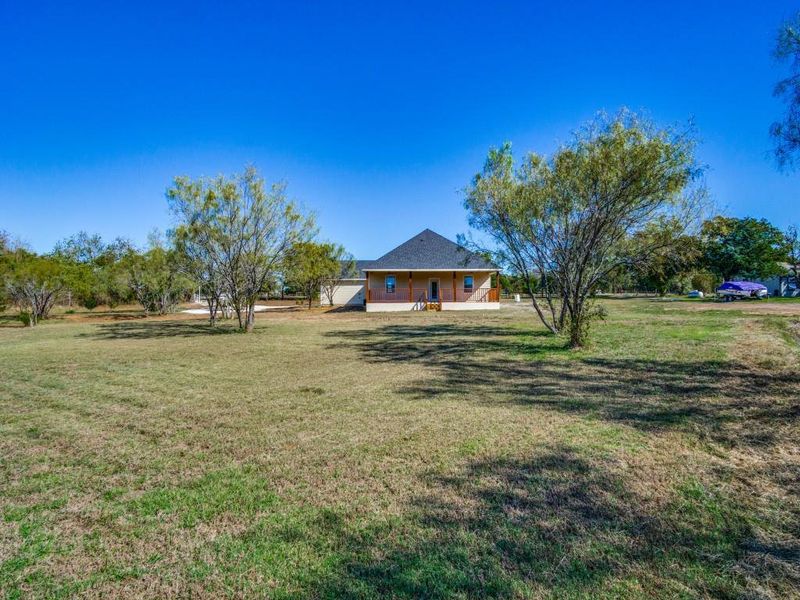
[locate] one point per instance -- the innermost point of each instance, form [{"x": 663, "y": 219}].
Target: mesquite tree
[
  {"x": 34, "y": 283},
  {"x": 316, "y": 268},
  {"x": 155, "y": 278},
  {"x": 570, "y": 220},
  {"x": 347, "y": 270},
  {"x": 193, "y": 203},
  {"x": 246, "y": 231},
  {"x": 96, "y": 273},
  {"x": 786, "y": 132},
  {"x": 675, "y": 259}
]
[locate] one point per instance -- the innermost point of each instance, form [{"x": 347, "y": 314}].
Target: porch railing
[
  {"x": 445, "y": 295},
  {"x": 381, "y": 295},
  {"x": 477, "y": 295}
]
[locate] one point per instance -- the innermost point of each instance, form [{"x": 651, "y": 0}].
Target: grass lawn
[{"x": 439, "y": 455}]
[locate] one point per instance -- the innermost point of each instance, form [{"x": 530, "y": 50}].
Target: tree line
[
  {"x": 235, "y": 239},
  {"x": 723, "y": 249}
]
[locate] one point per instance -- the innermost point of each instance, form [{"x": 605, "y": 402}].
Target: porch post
[
  {"x": 454, "y": 286},
  {"x": 497, "y": 274},
  {"x": 410, "y": 288},
  {"x": 367, "y": 284}
]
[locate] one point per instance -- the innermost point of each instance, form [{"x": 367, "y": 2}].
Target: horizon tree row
[{"x": 234, "y": 239}]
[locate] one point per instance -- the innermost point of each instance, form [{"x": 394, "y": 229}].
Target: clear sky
[{"x": 376, "y": 114}]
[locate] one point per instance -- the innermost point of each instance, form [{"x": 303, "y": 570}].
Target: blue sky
[{"x": 376, "y": 116}]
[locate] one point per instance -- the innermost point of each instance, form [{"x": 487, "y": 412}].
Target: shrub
[
  {"x": 704, "y": 281},
  {"x": 90, "y": 302}
]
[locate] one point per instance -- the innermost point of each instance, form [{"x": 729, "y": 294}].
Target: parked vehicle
[
  {"x": 695, "y": 294},
  {"x": 733, "y": 290}
]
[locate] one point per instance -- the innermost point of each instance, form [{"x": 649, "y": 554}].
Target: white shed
[{"x": 349, "y": 293}]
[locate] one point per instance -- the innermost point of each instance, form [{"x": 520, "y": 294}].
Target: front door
[{"x": 434, "y": 290}]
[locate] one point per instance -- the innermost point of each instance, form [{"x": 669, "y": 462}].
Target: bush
[
  {"x": 704, "y": 281},
  {"x": 90, "y": 302},
  {"x": 25, "y": 317}
]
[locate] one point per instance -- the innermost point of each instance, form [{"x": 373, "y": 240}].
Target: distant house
[
  {"x": 426, "y": 272},
  {"x": 785, "y": 285}
]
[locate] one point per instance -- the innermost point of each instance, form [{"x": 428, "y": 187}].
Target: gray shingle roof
[{"x": 428, "y": 250}]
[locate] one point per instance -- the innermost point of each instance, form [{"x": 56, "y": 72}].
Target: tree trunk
[
  {"x": 577, "y": 324},
  {"x": 251, "y": 317},
  {"x": 238, "y": 310},
  {"x": 212, "y": 310},
  {"x": 542, "y": 318},
  {"x": 575, "y": 335}
]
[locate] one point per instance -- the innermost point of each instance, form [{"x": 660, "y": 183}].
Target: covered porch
[{"x": 432, "y": 290}]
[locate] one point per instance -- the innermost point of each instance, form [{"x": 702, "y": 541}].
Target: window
[
  {"x": 390, "y": 284},
  {"x": 467, "y": 283}
]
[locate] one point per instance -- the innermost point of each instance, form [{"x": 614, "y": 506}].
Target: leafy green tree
[
  {"x": 310, "y": 266},
  {"x": 95, "y": 276},
  {"x": 747, "y": 248},
  {"x": 34, "y": 283},
  {"x": 672, "y": 258},
  {"x": 703, "y": 280},
  {"x": 155, "y": 278},
  {"x": 5, "y": 250},
  {"x": 250, "y": 229},
  {"x": 793, "y": 252},
  {"x": 786, "y": 132},
  {"x": 81, "y": 248},
  {"x": 5, "y": 242},
  {"x": 198, "y": 240},
  {"x": 347, "y": 270},
  {"x": 516, "y": 284},
  {"x": 572, "y": 217}
]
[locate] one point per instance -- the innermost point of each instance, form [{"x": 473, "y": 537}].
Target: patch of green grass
[
  {"x": 709, "y": 517},
  {"x": 600, "y": 438},
  {"x": 787, "y": 328},
  {"x": 242, "y": 492}
]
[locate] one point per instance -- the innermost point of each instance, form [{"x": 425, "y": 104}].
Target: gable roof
[{"x": 429, "y": 251}]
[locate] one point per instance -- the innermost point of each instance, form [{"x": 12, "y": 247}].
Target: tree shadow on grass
[
  {"x": 553, "y": 525},
  {"x": 345, "y": 309},
  {"x": 495, "y": 364},
  {"x": 11, "y": 321},
  {"x": 111, "y": 315},
  {"x": 727, "y": 403},
  {"x": 156, "y": 329},
  {"x": 442, "y": 343}
]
